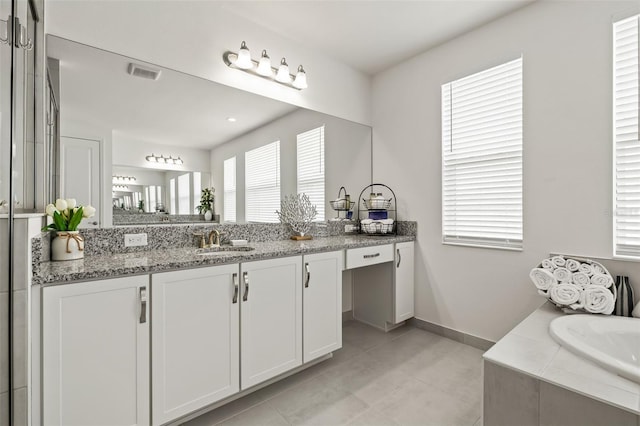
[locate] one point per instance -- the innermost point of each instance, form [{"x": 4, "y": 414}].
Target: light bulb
[
  {"x": 243, "y": 61},
  {"x": 300, "y": 82},
  {"x": 283, "y": 72},
  {"x": 264, "y": 66}
]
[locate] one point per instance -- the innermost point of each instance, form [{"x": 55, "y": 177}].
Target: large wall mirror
[{"x": 140, "y": 141}]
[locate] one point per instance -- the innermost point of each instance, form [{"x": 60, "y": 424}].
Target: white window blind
[
  {"x": 184, "y": 195},
  {"x": 310, "y": 148},
  {"x": 482, "y": 158},
  {"x": 172, "y": 196},
  {"x": 626, "y": 138},
  {"x": 230, "y": 189},
  {"x": 262, "y": 183},
  {"x": 197, "y": 190}
]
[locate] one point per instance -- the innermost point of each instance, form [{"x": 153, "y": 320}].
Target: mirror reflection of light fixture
[
  {"x": 283, "y": 75},
  {"x": 243, "y": 61},
  {"x": 262, "y": 68},
  {"x": 116, "y": 188},
  {"x": 300, "y": 82},
  {"x": 123, "y": 179},
  {"x": 161, "y": 159}
]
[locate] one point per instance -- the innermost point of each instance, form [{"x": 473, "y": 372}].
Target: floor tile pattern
[{"x": 405, "y": 377}]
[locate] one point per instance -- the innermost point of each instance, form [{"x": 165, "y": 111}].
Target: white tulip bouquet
[{"x": 67, "y": 215}]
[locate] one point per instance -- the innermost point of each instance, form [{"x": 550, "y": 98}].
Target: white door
[
  {"x": 322, "y": 304},
  {"x": 270, "y": 318},
  {"x": 195, "y": 339},
  {"x": 80, "y": 174},
  {"x": 403, "y": 282},
  {"x": 96, "y": 353}
]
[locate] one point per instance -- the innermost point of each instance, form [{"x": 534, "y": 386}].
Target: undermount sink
[
  {"x": 209, "y": 251},
  {"x": 613, "y": 342}
]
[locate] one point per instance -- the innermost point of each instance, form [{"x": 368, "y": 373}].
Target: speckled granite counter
[{"x": 118, "y": 265}]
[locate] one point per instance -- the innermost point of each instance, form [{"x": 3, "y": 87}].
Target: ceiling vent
[{"x": 143, "y": 72}]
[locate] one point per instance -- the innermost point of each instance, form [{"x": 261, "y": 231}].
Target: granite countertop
[
  {"x": 530, "y": 349},
  {"x": 152, "y": 261}
]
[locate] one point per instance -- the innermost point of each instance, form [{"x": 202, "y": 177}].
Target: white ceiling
[
  {"x": 371, "y": 36},
  {"x": 177, "y": 109}
]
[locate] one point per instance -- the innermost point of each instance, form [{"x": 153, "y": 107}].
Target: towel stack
[{"x": 569, "y": 283}]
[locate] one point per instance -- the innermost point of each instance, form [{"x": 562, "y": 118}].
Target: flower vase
[
  {"x": 208, "y": 215},
  {"x": 67, "y": 245}
]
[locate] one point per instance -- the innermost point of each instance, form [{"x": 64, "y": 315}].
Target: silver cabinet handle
[
  {"x": 143, "y": 305},
  {"x": 94, "y": 223},
  {"x": 399, "y": 258},
  {"x": 245, "y": 277},
  {"x": 369, "y": 256},
  {"x": 306, "y": 283},
  {"x": 235, "y": 287}
]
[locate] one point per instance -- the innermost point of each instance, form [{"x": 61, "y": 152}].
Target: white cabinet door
[
  {"x": 322, "y": 304},
  {"x": 195, "y": 340},
  {"x": 96, "y": 353},
  {"x": 403, "y": 282},
  {"x": 81, "y": 158},
  {"x": 270, "y": 318}
]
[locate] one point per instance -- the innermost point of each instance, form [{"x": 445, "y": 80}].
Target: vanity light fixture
[
  {"x": 262, "y": 68},
  {"x": 123, "y": 179},
  {"x": 161, "y": 159}
]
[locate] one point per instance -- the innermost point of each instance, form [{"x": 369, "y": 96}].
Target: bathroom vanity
[{"x": 156, "y": 337}]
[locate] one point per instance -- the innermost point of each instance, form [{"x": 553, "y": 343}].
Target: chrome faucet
[{"x": 214, "y": 238}]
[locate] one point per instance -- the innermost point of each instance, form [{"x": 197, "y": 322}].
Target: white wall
[
  {"x": 347, "y": 156},
  {"x": 567, "y": 157},
  {"x": 191, "y": 36}
]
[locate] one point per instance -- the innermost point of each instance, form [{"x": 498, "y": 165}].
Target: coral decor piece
[{"x": 297, "y": 212}]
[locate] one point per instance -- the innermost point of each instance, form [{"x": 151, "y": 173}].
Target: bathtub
[{"x": 610, "y": 341}]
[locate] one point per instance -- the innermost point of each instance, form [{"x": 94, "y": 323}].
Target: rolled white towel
[
  {"x": 581, "y": 279},
  {"x": 563, "y": 275},
  {"x": 548, "y": 264},
  {"x": 597, "y": 269},
  {"x": 366, "y": 221},
  {"x": 542, "y": 278},
  {"x": 565, "y": 293},
  {"x": 585, "y": 268},
  {"x": 602, "y": 280},
  {"x": 387, "y": 221},
  {"x": 572, "y": 265},
  {"x": 598, "y": 300},
  {"x": 558, "y": 261}
]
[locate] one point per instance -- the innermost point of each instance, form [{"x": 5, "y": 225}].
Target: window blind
[
  {"x": 197, "y": 190},
  {"x": 184, "y": 195},
  {"x": 482, "y": 158},
  {"x": 230, "y": 189},
  {"x": 310, "y": 149},
  {"x": 262, "y": 183},
  {"x": 626, "y": 138}
]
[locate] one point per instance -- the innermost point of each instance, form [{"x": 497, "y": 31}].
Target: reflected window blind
[
  {"x": 626, "y": 138},
  {"x": 482, "y": 158},
  {"x": 262, "y": 183},
  {"x": 230, "y": 189},
  {"x": 310, "y": 149}
]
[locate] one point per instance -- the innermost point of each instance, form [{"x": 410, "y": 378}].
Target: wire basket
[
  {"x": 374, "y": 204},
  {"x": 342, "y": 204},
  {"x": 377, "y": 228}
]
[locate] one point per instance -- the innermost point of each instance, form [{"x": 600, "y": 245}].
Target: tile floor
[{"x": 406, "y": 377}]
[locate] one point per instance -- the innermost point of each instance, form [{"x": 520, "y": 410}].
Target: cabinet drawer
[{"x": 369, "y": 256}]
